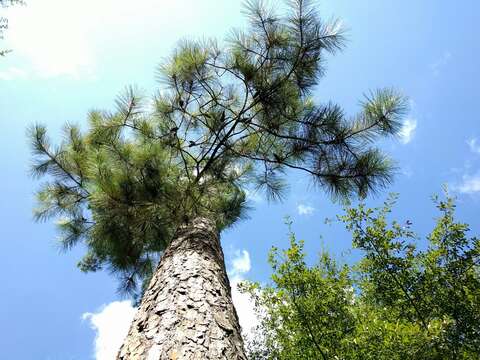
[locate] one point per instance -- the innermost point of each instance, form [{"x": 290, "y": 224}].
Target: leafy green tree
[
  {"x": 141, "y": 184},
  {"x": 437, "y": 288},
  {"x": 397, "y": 303},
  {"x": 306, "y": 314}
]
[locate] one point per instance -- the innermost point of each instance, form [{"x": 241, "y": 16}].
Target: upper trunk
[{"x": 187, "y": 311}]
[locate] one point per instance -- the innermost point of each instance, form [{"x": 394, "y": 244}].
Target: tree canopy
[
  {"x": 226, "y": 116},
  {"x": 398, "y": 302}
]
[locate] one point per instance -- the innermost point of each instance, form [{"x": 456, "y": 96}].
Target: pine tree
[{"x": 142, "y": 185}]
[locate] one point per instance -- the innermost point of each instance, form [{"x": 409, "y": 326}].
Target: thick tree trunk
[{"x": 187, "y": 311}]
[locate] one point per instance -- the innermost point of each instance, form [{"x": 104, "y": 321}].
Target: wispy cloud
[
  {"x": 438, "y": 65},
  {"x": 111, "y": 325},
  {"x": 474, "y": 145},
  {"x": 470, "y": 184},
  {"x": 13, "y": 73},
  {"x": 304, "y": 209},
  {"x": 408, "y": 130},
  {"x": 470, "y": 180},
  {"x": 407, "y": 171}
]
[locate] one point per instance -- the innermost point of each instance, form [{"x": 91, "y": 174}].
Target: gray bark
[{"x": 187, "y": 311}]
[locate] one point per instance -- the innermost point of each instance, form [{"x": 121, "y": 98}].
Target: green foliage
[
  {"x": 297, "y": 304},
  {"x": 397, "y": 303},
  {"x": 227, "y": 117}
]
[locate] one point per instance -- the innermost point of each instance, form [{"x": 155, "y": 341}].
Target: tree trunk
[{"x": 187, "y": 311}]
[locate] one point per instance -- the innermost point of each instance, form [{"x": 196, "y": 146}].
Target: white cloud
[
  {"x": 474, "y": 145},
  {"x": 111, "y": 325},
  {"x": 469, "y": 185},
  {"x": 440, "y": 63},
  {"x": 13, "y": 73},
  {"x": 305, "y": 209},
  {"x": 408, "y": 130},
  {"x": 51, "y": 37},
  {"x": 240, "y": 265},
  {"x": 54, "y": 38}
]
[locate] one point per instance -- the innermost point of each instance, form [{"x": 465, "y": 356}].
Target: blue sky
[{"x": 70, "y": 57}]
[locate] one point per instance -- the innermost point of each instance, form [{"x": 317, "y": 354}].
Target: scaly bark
[{"x": 187, "y": 311}]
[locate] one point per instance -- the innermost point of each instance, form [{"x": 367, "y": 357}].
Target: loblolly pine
[{"x": 146, "y": 186}]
